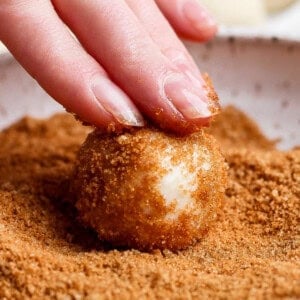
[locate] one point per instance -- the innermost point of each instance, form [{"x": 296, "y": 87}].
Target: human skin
[{"x": 125, "y": 64}]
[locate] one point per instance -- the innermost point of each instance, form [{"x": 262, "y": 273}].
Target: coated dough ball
[{"x": 147, "y": 189}]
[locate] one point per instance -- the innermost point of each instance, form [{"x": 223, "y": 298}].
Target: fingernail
[
  {"x": 117, "y": 103},
  {"x": 193, "y": 103},
  {"x": 198, "y": 15}
]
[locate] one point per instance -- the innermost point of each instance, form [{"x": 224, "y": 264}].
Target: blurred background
[
  {"x": 245, "y": 12},
  {"x": 270, "y": 18}
]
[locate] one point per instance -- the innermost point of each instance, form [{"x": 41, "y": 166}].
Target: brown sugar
[{"x": 252, "y": 251}]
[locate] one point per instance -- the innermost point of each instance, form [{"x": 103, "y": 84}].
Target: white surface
[
  {"x": 20, "y": 94},
  {"x": 260, "y": 77}
]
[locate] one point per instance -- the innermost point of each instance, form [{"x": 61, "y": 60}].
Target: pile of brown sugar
[{"x": 253, "y": 250}]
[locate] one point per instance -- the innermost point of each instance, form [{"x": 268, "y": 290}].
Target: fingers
[
  {"x": 163, "y": 35},
  {"x": 165, "y": 38},
  {"x": 44, "y": 46},
  {"x": 147, "y": 67},
  {"x": 112, "y": 33},
  {"x": 189, "y": 18}
]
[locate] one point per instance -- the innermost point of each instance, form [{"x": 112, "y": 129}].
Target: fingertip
[
  {"x": 189, "y": 18},
  {"x": 202, "y": 24}
]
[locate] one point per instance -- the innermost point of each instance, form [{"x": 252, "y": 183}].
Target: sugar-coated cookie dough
[{"x": 147, "y": 189}]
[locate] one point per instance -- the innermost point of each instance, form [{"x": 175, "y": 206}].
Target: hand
[{"x": 127, "y": 64}]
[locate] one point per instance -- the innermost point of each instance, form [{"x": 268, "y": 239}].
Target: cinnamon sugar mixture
[{"x": 252, "y": 251}]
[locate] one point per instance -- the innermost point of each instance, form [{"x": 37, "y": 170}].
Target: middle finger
[{"x": 112, "y": 33}]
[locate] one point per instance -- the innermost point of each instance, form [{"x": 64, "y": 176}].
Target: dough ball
[{"x": 147, "y": 189}]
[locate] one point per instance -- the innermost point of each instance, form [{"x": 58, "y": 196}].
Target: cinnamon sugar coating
[{"x": 147, "y": 189}]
